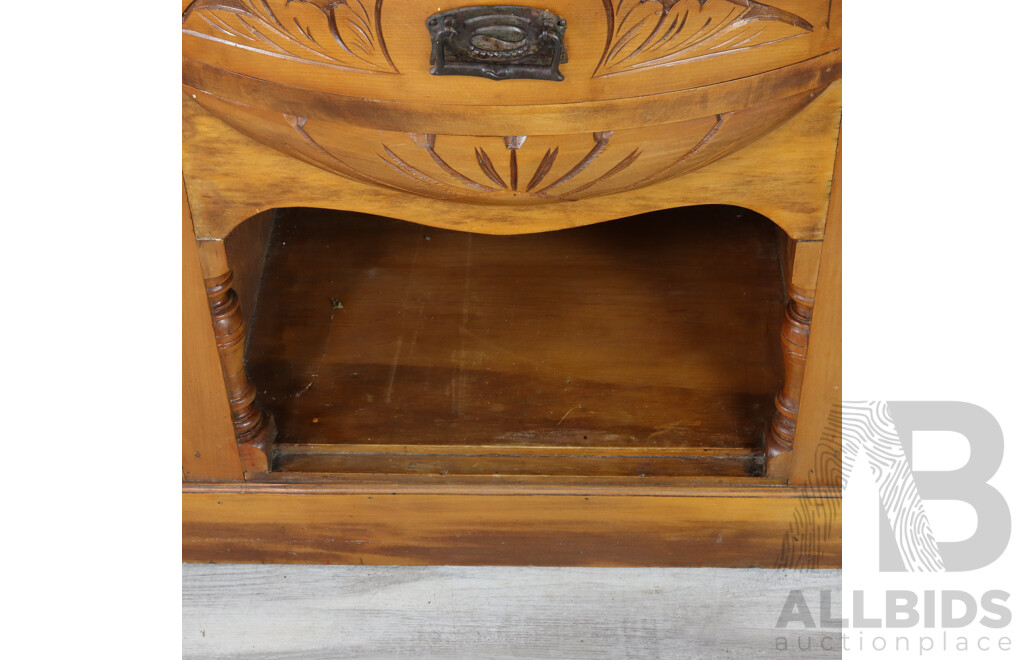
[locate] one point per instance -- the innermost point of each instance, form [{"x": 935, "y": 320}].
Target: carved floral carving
[
  {"x": 339, "y": 34},
  {"x": 643, "y": 34},
  {"x": 346, "y": 34}
]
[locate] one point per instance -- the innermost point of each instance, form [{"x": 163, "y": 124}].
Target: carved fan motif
[
  {"x": 532, "y": 187},
  {"x": 447, "y": 182},
  {"x": 509, "y": 169},
  {"x": 650, "y": 33},
  {"x": 340, "y": 34}
]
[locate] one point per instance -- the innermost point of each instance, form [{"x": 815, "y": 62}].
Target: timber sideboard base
[
  {"x": 614, "y": 394},
  {"x": 767, "y": 527}
]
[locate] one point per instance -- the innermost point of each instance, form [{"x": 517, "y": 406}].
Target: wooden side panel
[
  {"x": 502, "y": 529},
  {"x": 816, "y": 457},
  {"x": 208, "y": 436}
]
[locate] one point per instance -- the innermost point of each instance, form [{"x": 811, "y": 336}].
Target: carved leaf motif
[
  {"x": 340, "y": 34},
  {"x": 650, "y": 33},
  {"x": 542, "y": 170},
  {"x": 488, "y": 167}
]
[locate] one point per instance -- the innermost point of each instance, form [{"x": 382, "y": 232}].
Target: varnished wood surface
[
  {"x": 816, "y": 456},
  {"x": 648, "y": 340},
  {"x": 796, "y": 330},
  {"x": 381, "y": 49},
  {"x": 208, "y": 449},
  {"x": 515, "y": 169},
  {"x": 785, "y": 176},
  {"x": 443, "y": 612},
  {"x": 242, "y": 252},
  {"x": 290, "y": 484},
  {"x": 553, "y": 118},
  {"x": 502, "y": 529},
  {"x": 454, "y": 462},
  {"x": 246, "y": 251},
  {"x": 654, "y": 92},
  {"x": 800, "y": 263},
  {"x": 254, "y": 430}
]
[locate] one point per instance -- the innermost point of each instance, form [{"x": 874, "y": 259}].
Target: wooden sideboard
[{"x": 497, "y": 284}]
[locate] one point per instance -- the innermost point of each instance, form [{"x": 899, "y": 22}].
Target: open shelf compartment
[{"x": 639, "y": 350}]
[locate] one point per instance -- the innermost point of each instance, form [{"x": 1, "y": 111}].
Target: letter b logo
[{"x": 884, "y": 431}]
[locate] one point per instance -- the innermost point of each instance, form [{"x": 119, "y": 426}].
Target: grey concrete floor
[{"x": 421, "y": 612}]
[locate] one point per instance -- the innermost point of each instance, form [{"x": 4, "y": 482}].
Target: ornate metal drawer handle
[{"x": 499, "y": 43}]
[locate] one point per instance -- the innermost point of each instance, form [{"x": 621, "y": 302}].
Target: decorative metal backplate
[{"x": 499, "y": 43}]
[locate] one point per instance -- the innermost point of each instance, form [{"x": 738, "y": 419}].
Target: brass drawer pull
[{"x": 499, "y": 43}]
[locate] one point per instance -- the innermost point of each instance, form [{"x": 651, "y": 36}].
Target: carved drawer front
[{"x": 497, "y": 103}]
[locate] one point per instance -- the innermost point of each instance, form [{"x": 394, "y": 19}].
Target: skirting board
[{"x": 769, "y": 527}]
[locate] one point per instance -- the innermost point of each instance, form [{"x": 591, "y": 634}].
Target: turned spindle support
[
  {"x": 796, "y": 330},
  {"x": 254, "y": 430},
  {"x": 801, "y": 260}
]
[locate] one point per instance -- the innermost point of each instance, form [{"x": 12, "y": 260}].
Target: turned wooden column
[
  {"x": 800, "y": 261},
  {"x": 796, "y": 330},
  {"x": 253, "y": 429}
]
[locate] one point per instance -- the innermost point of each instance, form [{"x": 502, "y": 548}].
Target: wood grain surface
[
  {"x": 253, "y": 429},
  {"x": 341, "y": 93},
  {"x": 246, "y": 251},
  {"x": 380, "y": 49},
  {"x": 816, "y": 451},
  {"x": 653, "y": 91},
  {"x": 599, "y": 525},
  {"x": 785, "y": 176},
  {"x": 208, "y": 450},
  {"x": 310, "y": 612},
  {"x": 553, "y": 118},
  {"x": 796, "y": 330},
  {"x": 517, "y": 169}
]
